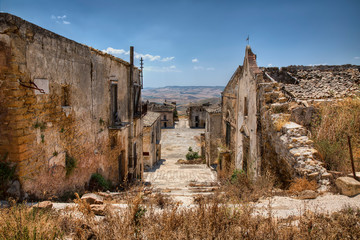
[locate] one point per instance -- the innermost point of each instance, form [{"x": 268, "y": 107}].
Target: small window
[
  {"x": 246, "y": 109},
  {"x": 115, "y": 119},
  {"x": 65, "y": 96},
  {"x": 146, "y": 154},
  {"x": 152, "y": 137}
]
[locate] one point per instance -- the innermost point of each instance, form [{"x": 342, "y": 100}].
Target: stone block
[
  {"x": 98, "y": 209},
  {"x": 307, "y": 194},
  {"x": 348, "y": 186},
  {"x": 92, "y": 198},
  {"x": 43, "y": 205}
]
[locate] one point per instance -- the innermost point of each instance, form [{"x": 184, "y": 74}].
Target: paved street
[{"x": 174, "y": 179}]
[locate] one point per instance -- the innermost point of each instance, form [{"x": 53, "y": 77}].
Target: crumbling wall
[
  {"x": 70, "y": 119},
  {"x": 293, "y": 153}
]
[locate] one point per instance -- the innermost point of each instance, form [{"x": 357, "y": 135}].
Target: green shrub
[
  {"x": 98, "y": 182},
  {"x": 192, "y": 155},
  {"x": 70, "y": 164}
]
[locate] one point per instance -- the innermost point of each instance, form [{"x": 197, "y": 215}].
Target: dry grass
[
  {"x": 332, "y": 126},
  {"x": 239, "y": 188},
  {"x": 205, "y": 221},
  {"x": 302, "y": 184},
  {"x": 22, "y": 222},
  {"x": 281, "y": 121}
]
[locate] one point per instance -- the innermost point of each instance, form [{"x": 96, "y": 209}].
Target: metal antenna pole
[{"x": 141, "y": 73}]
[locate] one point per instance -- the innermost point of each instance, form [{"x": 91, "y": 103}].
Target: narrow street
[{"x": 181, "y": 181}]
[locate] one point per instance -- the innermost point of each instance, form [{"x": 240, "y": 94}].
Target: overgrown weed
[{"x": 331, "y": 127}]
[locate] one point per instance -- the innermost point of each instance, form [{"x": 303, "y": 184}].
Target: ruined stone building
[
  {"x": 151, "y": 139},
  {"x": 212, "y": 133},
  {"x": 265, "y": 113},
  {"x": 197, "y": 115},
  {"x": 67, "y": 111},
  {"x": 167, "y": 111}
]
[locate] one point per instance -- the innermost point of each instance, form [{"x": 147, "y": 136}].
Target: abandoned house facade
[
  {"x": 212, "y": 133},
  {"x": 265, "y": 113},
  {"x": 67, "y": 111},
  {"x": 197, "y": 115},
  {"x": 151, "y": 139},
  {"x": 167, "y": 111}
]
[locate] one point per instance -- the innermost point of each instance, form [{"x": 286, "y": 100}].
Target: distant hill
[{"x": 183, "y": 95}]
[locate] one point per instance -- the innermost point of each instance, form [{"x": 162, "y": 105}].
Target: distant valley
[{"x": 183, "y": 95}]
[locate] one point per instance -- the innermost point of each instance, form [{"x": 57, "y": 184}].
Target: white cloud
[
  {"x": 149, "y": 57},
  {"x": 356, "y": 57},
  {"x": 203, "y": 68},
  {"x": 167, "y": 59},
  {"x": 317, "y": 64},
  {"x": 172, "y": 68},
  {"x": 60, "y": 19},
  {"x": 269, "y": 65},
  {"x": 195, "y": 60}
]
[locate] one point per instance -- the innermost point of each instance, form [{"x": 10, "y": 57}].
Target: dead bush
[
  {"x": 301, "y": 184},
  {"x": 207, "y": 220},
  {"x": 330, "y": 129},
  {"x": 240, "y": 188}
]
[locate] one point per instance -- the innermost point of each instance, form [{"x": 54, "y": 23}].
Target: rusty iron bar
[
  {"x": 31, "y": 87},
  {"x": 352, "y": 159}
]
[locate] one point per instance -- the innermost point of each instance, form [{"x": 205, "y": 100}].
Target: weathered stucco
[
  {"x": 72, "y": 118},
  {"x": 151, "y": 139}
]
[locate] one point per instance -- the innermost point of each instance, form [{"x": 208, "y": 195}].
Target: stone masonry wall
[
  {"x": 39, "y": 131},
  {"x": 294, "y": 151}
]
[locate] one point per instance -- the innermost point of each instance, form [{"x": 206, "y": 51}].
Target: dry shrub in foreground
[
  {"x": 239, "y": 188},
  {"x": 22, "y": 222},
  {"x": 331, "y": 127},
  {"x": 301, "y": 184},
  {"x": 205, "y": 221}
]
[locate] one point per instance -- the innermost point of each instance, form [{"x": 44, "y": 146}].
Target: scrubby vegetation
[
  {"x": 332, "y": 126},
  {"x": 208, "y": 220},
  {"x": 99, "y": 183},
  {"x": 7, "y": 174},
  {"x": 191, "y": 155},
  {"x": 70, "y": 164}
]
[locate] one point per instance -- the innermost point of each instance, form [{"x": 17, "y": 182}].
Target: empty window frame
[
  {"x": 65, "y": 96},
  {"x": 246, "y": 107},
  {"x": 115, "y": 120}
]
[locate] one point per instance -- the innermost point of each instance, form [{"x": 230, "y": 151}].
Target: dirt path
[{"x": 180, "y": 181}]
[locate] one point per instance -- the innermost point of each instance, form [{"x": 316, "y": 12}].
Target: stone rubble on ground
[
  {"x": 348, "y": 186},
  {"x": 92, "y": 198}
]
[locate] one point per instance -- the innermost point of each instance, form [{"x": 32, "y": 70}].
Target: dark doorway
[{"x": 246, "y": 153}]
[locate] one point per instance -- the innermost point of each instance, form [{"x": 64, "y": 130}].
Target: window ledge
[{"x": 123, "y": 125}]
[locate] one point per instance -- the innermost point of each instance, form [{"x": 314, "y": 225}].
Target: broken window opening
[
  {"x": 115, "y": 118},
  {"x": 113, "y": 142},
  {"x": 65, "y": 96},
  {"x": 228, "y": 132},
  {"x": 246, "y": 108}
]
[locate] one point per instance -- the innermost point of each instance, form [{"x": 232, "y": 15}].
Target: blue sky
[{"x": 202, "y": 42}]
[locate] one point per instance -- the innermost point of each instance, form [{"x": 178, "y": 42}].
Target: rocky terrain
[{"x": 319, "y": 82}]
